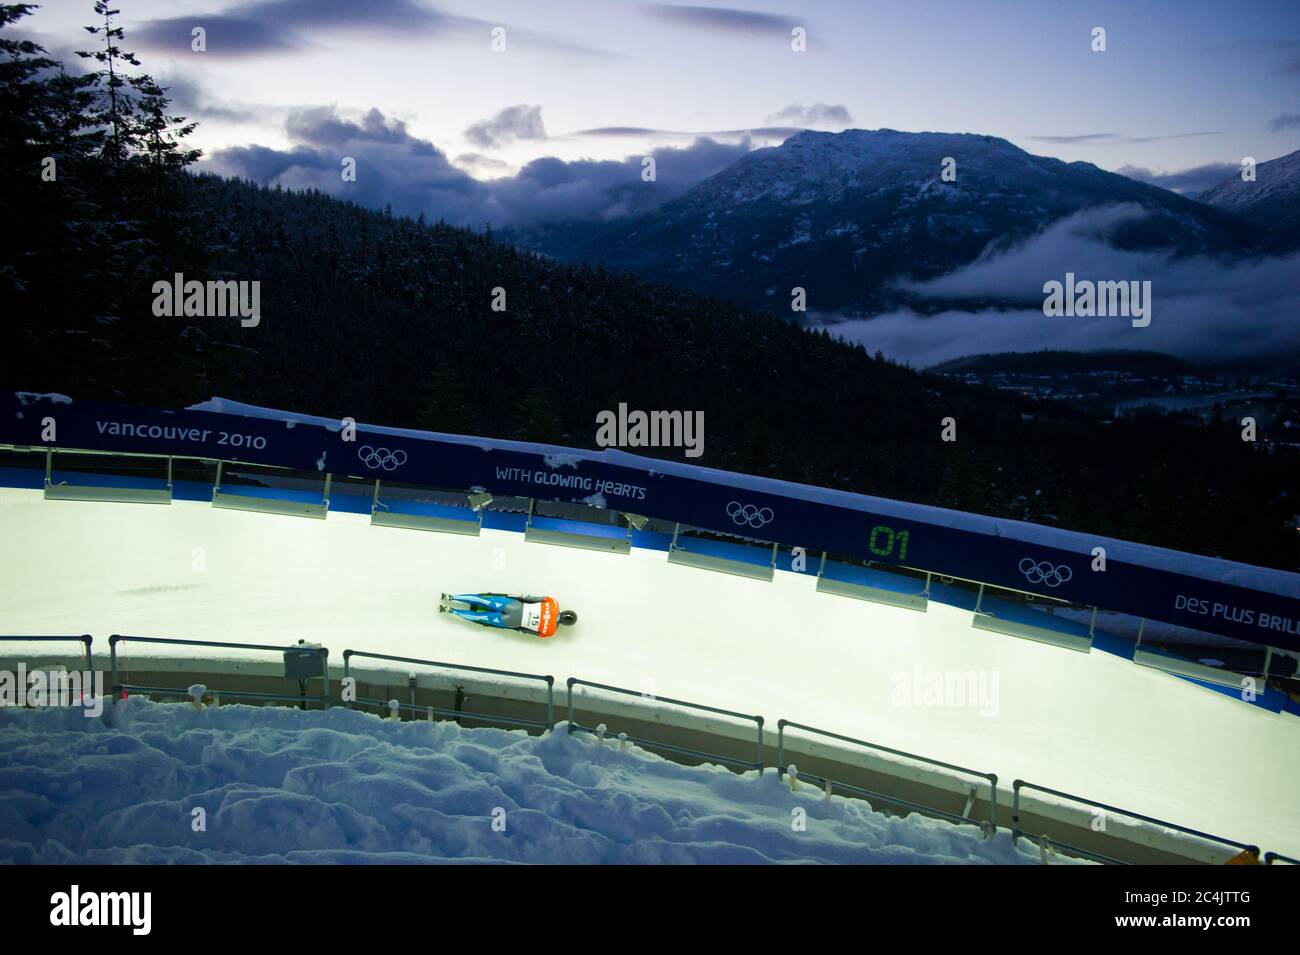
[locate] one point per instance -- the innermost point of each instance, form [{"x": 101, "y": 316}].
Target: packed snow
[{"x": 167, "y": 783}]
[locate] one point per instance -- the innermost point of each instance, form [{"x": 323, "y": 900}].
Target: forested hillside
[{"x": 390, "y": 320}]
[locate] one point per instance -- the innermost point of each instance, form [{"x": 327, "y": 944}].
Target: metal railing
[
  {"x": 1273, "y": 857},
  {"x": 1017, "y": 832},
  {"x": 455, "y": 714},
  {"x": 83, "y": 638},
  {"x": 671, "y": 747},
  {"x": 988, "y": 825},
  {"x": 124, "y": 688}
]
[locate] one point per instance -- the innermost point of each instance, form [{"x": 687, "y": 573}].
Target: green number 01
[{"x": 888, "y": 549}]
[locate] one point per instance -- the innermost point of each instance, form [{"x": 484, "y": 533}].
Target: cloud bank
[
  {"x": 1204, "y": 309},
  {"x": 414, "y": 176}
]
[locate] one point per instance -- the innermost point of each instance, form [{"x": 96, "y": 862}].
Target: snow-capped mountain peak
[
  {"x": 1273, "y": 195},
  {"x": 850, "y": 213}
]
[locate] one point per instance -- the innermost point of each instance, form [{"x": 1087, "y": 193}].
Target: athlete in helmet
[{"x": 538, "y": 615}]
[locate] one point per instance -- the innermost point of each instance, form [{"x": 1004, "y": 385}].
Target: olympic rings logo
[
  {"x": 1042, "y": 572},
  {"x": 742, "y": 514},
  {"x": 375, "y": 458}
]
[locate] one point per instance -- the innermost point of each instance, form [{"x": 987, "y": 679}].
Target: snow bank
[{"x": 283, "y": 785}]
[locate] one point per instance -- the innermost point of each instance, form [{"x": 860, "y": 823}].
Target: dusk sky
[{"x": 1183, "y": 83}]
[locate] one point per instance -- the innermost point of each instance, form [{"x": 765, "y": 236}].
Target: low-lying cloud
[
  {"x": 1186, "y": 182},
  {"x": 1115, "y": 139},
  {"x": 1204, "y": 309},
  {"x": 816, "y": 115}
]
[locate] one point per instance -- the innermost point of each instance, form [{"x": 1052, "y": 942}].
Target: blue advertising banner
[{"x": 1257, "y": 605}]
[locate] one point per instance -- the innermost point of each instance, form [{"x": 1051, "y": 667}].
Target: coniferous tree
[{"x": 117, "y": 106}]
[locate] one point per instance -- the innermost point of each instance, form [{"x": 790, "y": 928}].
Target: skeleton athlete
[{"x": 537, "y": 615}]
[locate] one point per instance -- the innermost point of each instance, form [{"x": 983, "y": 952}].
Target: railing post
[
  {"x": 347, "y": 672},
  {"x": 570, "y": 722},
  {"x": 90, "y": 664},
  {"x": 325, "y": 678},
  {"x": 1015, "y": 811},
  {"x": 993, "y": 800},
  {"x": 112, "y": 663},
  {"x": 550, "y": 702},
  {"x": 761, "y": 767},
  {"x": 780, "y": 748}
]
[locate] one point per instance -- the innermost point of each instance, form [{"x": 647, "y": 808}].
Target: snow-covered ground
[
  {"x": 284, "y": 785},
  {"x": 1091, "y": 724}
]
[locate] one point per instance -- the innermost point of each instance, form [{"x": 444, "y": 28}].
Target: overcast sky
[{"x": 1182, "y": 84}]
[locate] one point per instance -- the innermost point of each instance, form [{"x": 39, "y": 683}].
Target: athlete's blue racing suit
[
  {"x": 536, "y": 615},
  {"x": 491, "y": 610}
]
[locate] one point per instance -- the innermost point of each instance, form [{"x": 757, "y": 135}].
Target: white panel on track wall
[
  {"x": 424, "y": 522},
  {"x": 1014, "y": 628},
  {"x": 604, "y": 545},
  {"x": 879, "y": 595},
  {"x": 601, "y": 543},
  {"x": 117, "y": 495},
  {"x": 65, "y": 491},
  {"x": 382, "y": 515},
  {"x": 918, "y": 600},
  {"x": 1190, "y": 669},
  {"x": 1001, "y": 618},
  {"x": 270, "y": 505},
  {"x": 678, "y": 554}
]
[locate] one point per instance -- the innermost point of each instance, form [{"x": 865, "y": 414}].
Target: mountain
[
  {"x": 1272, "y": 200},
  {"x": 843, "y": 215}
]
